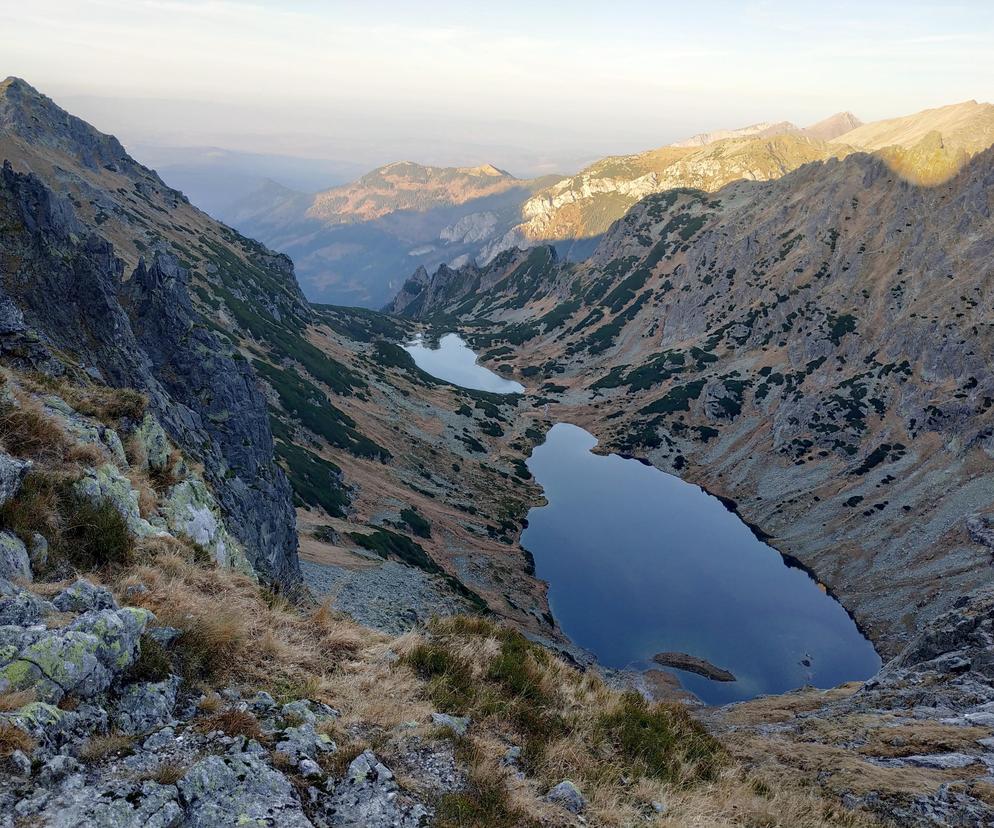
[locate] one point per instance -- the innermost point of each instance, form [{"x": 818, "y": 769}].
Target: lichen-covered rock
[
  {"x": 191, "y": 511},
  {"x": 239, "y": 789},
  {"x": 117, "y": 633},
  {"x": 86, "y": 430},
  {"x": 82, "y": 659},
  {"x": 38, "y": 551},
  {"x": 108, "y": 484},
  {"x": 127, "y": 805},
  {"x": 83, "y": 596},
  {"x": 368, "y": 798},
  {"x": 457, "y": 724},
  {"x": 146, "y": 706},
  {"x": 304, "y": 741},
  {"x": 59, "y": 664},
  {"x": 12, "y": 474},
  {"x": 155, "y": 442},
  {"x": 14, "y": 561},
  {"x": 307, "y": 711}
]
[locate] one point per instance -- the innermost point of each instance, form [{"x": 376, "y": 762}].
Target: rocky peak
[
  {"x": 833, "y": 126},
  {"x": 36, "y": 119}
]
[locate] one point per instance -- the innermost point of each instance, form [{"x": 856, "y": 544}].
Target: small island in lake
[{"x": 693, "y": 664}]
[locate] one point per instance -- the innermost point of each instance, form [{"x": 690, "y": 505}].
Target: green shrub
[
  {"x": 661, "y": 740},
  {"x": 418, "y": 524},
  {"x": 153, "y": 662}
]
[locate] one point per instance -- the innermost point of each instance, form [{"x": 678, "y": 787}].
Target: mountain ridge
[{"x": 665, "y": 283}]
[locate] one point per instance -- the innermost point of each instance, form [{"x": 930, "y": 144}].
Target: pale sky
[{"x": 519, "y": 82}]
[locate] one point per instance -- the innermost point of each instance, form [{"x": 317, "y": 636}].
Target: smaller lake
[
  {"x": 454, "y": 362},
  {"x": 640, "y": 562}
]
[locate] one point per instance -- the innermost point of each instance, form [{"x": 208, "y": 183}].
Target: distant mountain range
[{"x": 357, "y": 243}]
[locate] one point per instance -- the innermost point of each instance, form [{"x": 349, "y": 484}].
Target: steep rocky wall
[{"x": 144, "y": 333}]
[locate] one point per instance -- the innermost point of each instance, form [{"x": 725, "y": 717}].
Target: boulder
[
  {"x": 83, "y": 596},
  {"x": 21, "y": 608},
  {"x": 82, "y": 659},
  {"x": 12, "y": 474},
  {"x": 108, "y": 484},
  {"x": 146, "y": 706},
  {"x": 115, "y": 805},
  {"x": 304, "y": 742},
  {"x": 567, "y": 796},
  {"x": 15, "y": 565},
  {"x": 368, "y": 798}
]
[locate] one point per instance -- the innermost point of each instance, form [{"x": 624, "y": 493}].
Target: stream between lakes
[{"x": 640, "y": 562}]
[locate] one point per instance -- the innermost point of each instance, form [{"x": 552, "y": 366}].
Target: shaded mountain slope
[
  {"x": 112, "y": 276},
  {"x": 814, "y": 349},
  {"x": 133, "y": 324}
]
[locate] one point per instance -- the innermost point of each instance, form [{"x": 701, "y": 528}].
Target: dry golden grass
[
  {"x": 27, "y": 431},
  {"x": 148, "y": 500},
  {"x": 13, "y": 738},
  {"x": 623, "y": 753},
  {"x": 234, "y": 723},
  {"x": 102, "y": 402},
  {"x": 230, "y": 631},
  {"x": 105, "y": 746},
  {"x": 167, "y": 773},
  {"x": 14, "y": 701}
]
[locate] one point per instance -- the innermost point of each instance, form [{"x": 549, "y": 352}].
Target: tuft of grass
[
  {"x": 107, "y": 745},
  {"x": 95, "y": 536},
  {"x": 512, "y": 687},
  {"x": 82, "y": 535},
  {"x": 13, "y": 738},
  {"x": 484, "y": 802},
  {"x": 109, "y": 405},
  {"x": 153, "y": 662},
  {"x": 660, "y": 740},
  {"x": 234, "y": 723},
  {"x": 10, "y": 702},
  {"x": 27, "y": 431},
  {"x": 167, "y": 773}
]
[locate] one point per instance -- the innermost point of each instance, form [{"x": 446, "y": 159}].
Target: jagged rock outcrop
[{"x": 144, "y": 333}]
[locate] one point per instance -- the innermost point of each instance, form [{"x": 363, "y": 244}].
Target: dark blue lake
[{"x": 639, "y": 562}]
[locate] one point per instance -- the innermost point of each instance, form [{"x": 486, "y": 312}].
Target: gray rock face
[
  {"x": 567, "y": 795},
  {"x": 304, "y": 742},
  {"x": 83, "y": 596},
  {"x": 81, "y": 659},
  {"x": 145, "y": 334},
  {"x": 367, "y": 798},
  {"x": 12, "y": 474},
  {"x": 147, "y": 706},
  {"x": 239, "y": 789},
  {"x": 14, "y": 561},
  {"x": 21, "y": 608},
  {"x": 147, "y": 805}
]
